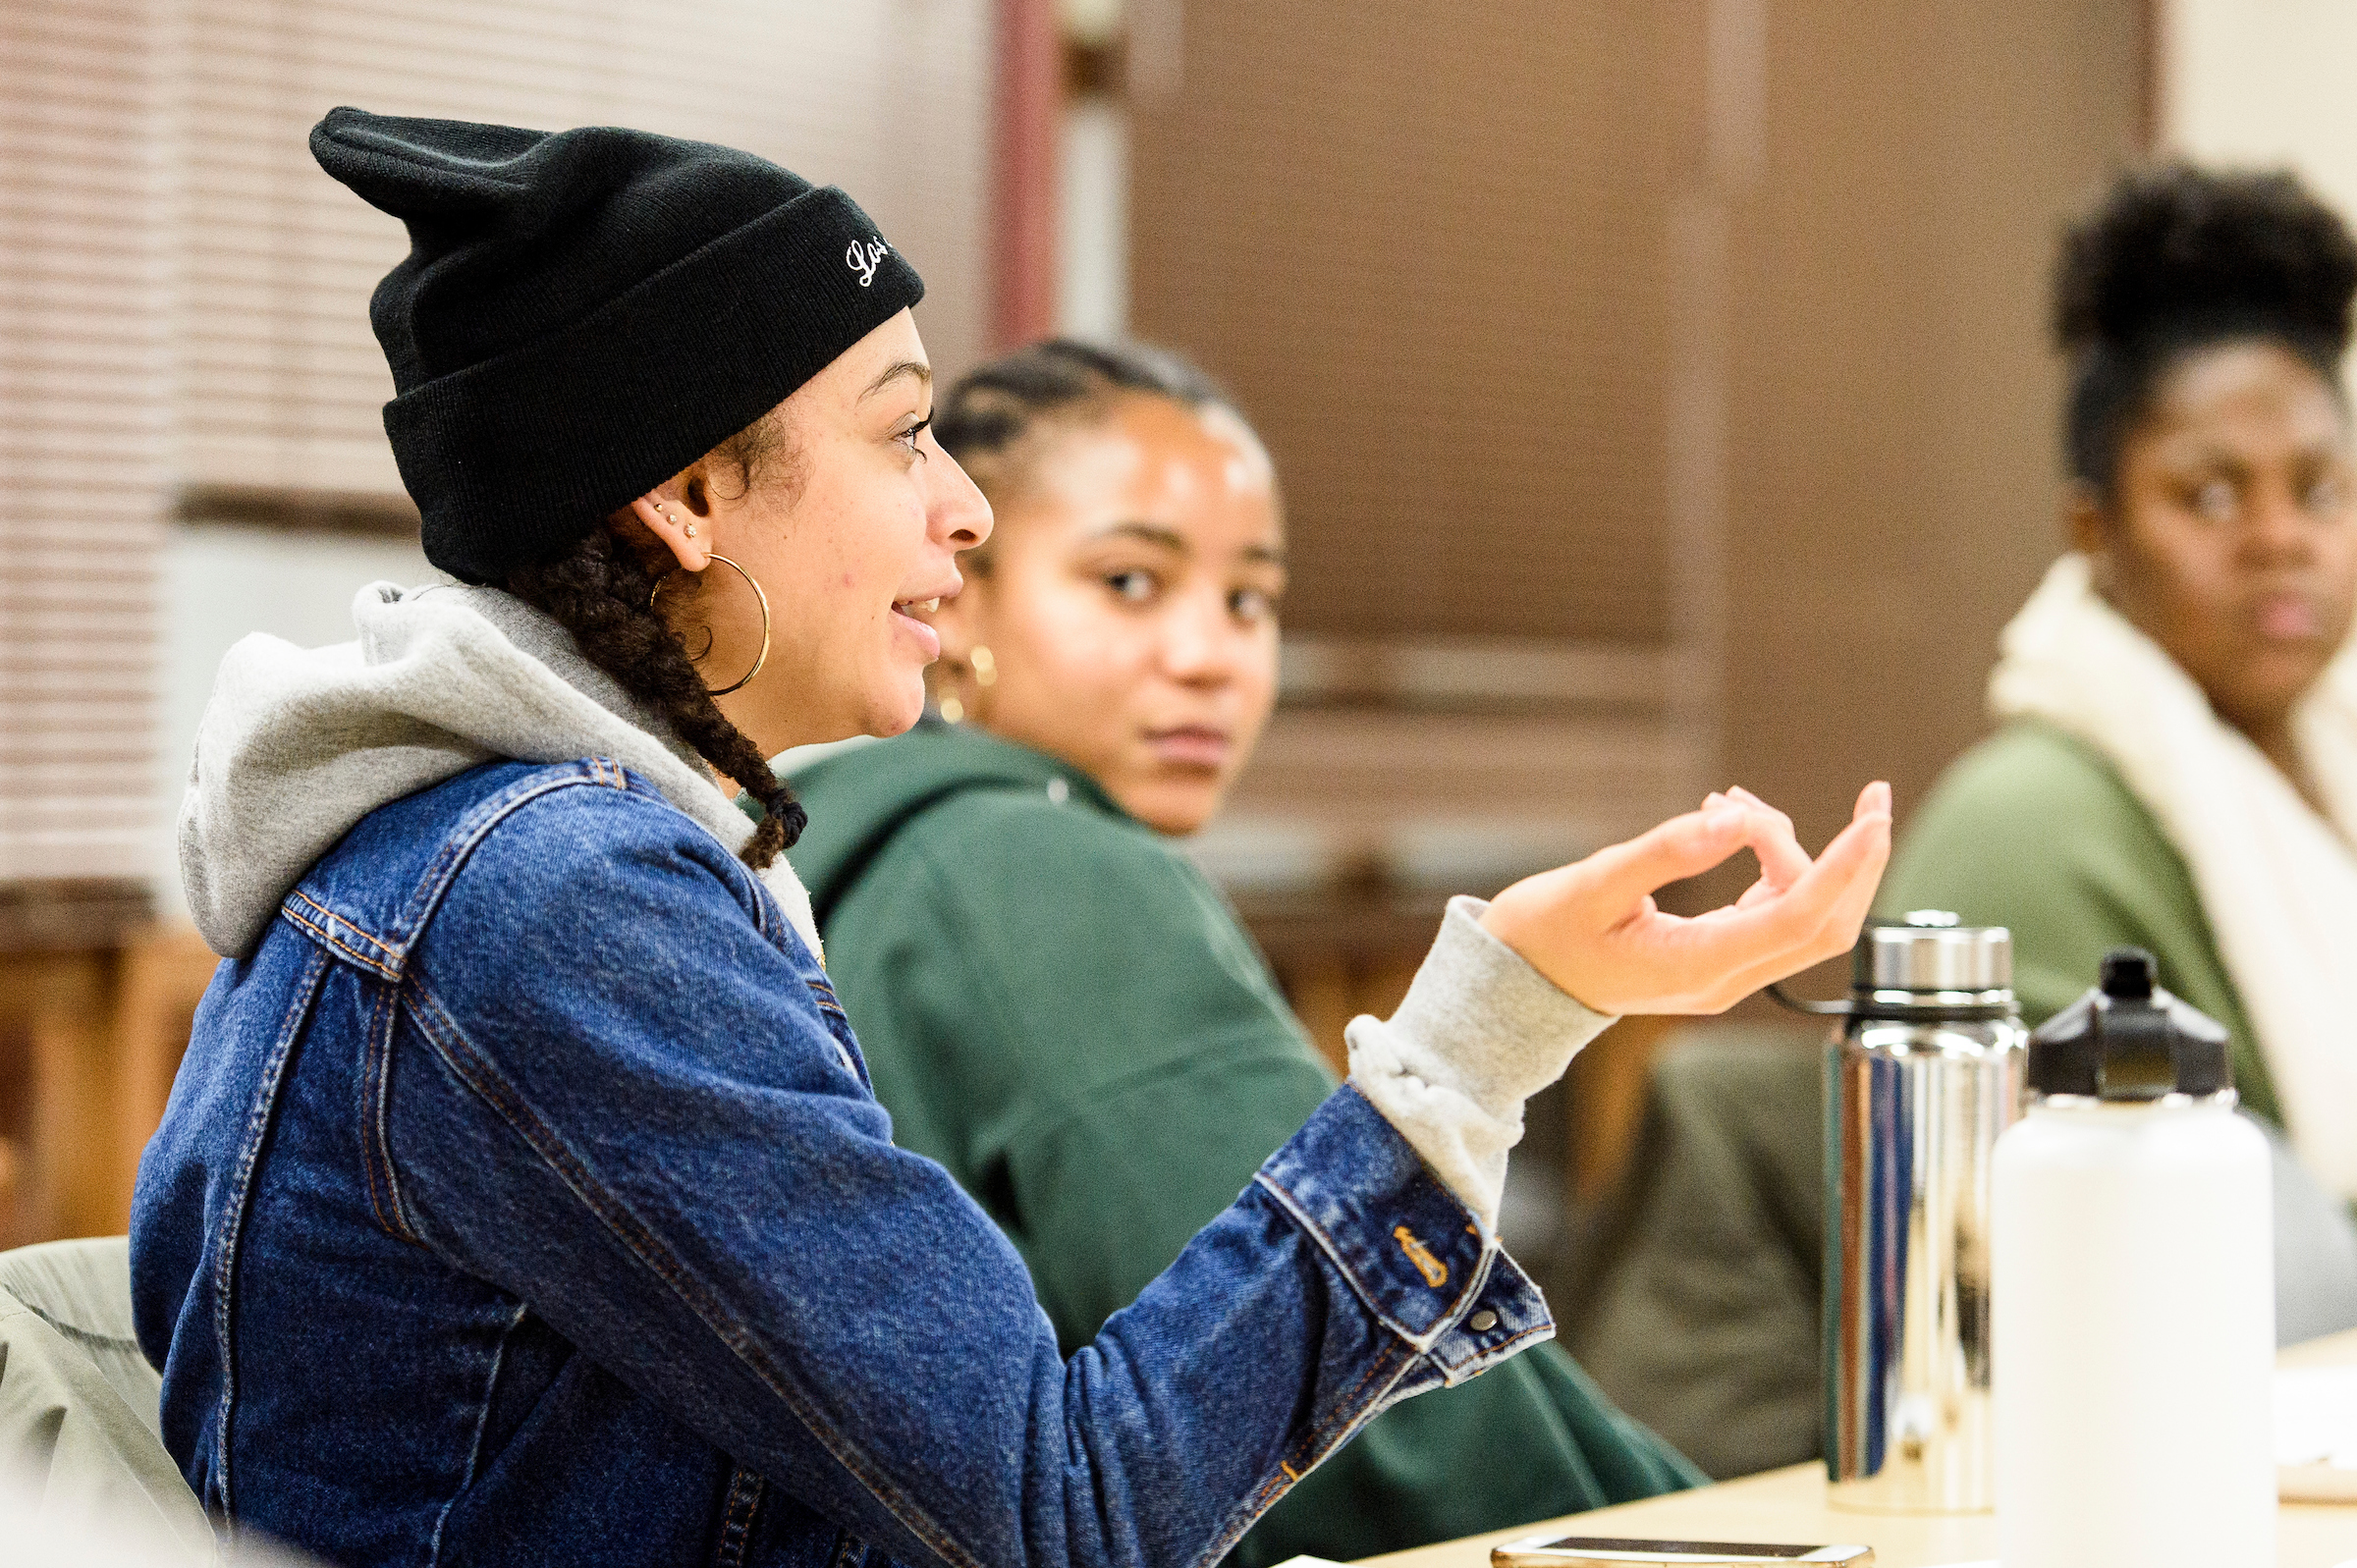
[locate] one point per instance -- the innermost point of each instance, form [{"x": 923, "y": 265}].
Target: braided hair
[
  {"x": 2177, "y": 259},
  {"x": 602, "y": 592},
  {"x": 987, "y": 418}
]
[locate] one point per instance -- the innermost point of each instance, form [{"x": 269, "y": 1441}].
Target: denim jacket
[{"x": 521, "y": 1199}]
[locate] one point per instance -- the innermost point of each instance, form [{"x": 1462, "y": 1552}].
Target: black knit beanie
[{"x": 584, "y": 313}]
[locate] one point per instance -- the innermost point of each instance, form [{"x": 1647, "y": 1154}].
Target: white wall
[
  {"x": 2264, "y": 82},
  {"x": 220, "y": 583},
  {"x": 1092, "y": 229}
]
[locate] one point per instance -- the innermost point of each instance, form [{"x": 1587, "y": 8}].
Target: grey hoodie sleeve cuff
[{"x": 1480, "y": 1032}]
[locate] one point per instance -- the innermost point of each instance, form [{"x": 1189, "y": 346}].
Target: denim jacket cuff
[{"x": 1412, "y": 1250}]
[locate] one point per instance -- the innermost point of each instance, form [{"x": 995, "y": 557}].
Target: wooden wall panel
[
  {"x": 1895, "y": 470},
  {"x": 1423, "y": 244},
  {"x": 1457, "y": 259}
]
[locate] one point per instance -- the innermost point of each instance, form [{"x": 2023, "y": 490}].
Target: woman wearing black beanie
[{"x": 521, "y": 1197}]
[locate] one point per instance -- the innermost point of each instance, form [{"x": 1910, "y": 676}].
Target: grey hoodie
[{"x": 299, "y": 745}]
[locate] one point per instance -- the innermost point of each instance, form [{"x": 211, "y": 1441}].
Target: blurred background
[{"x": 1660, "y": 390}]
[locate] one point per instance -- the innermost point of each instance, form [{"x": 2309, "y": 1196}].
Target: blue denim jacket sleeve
[{"x": 624, "y": 1094}]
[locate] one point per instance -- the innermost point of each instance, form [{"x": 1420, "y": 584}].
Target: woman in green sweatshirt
[{"x": 1053, "y": 1001}]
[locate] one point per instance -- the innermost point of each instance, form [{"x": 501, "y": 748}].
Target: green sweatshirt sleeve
[
  {"x": 1059, "y": 1008},
  {"x": 2034, "y": 831}
]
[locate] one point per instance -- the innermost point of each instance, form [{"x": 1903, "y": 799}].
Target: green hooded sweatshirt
[{"x": 1057, "y": 1005}]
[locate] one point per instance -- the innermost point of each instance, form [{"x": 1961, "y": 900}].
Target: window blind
[
  {"x": 83, "y": 418},
  {"x": 183, "y": 293},
  {"x": 282, "y": 382},
  {"x": 1426, "y": 246}
]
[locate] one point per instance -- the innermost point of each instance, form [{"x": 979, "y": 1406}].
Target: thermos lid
[
  {"x": 1926, "y": 949},
  {"x": 1923, "y": 968},
  {"x": 2129, "y": 1039}
]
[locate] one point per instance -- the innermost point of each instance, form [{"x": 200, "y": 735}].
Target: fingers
[
  {"x": 1781, "y": 858},
  {"x": 1801, "y": 912},
  {"x": 1818, "y": 918},
  {"x": 1832, "y": 895},
  {"x": 1683, "y": 847},
  {"x": 1690, "y": 844}
]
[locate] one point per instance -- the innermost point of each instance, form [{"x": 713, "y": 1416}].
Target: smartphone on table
[{"x": 1616, "y": 1551}]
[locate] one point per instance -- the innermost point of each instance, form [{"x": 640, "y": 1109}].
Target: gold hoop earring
[
  {"x": 985, "y": 666},
  {"x": 758, "y": 594}
]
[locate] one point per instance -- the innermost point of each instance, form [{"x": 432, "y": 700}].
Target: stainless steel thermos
[{"x": 1925, "y": 1070}]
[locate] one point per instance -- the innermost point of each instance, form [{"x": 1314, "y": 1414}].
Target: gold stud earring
[{"x": 686, "y": 528}]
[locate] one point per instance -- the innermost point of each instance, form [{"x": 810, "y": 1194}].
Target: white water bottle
[{"x": 2133, "y": 1286}]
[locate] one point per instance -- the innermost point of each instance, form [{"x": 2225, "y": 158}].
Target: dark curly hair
[
  {"x": 600, "y": 591},
  {"x": 2176, "y": 258},
  {"x": 986, "y": 418}
]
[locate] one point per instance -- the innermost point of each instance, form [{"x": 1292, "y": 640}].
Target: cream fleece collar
[
  {"x": 299, "y": 745},
  {"x": 2278, "y": 882}
]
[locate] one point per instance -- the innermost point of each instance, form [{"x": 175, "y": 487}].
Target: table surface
[{"x": 1790, "y": 1505}]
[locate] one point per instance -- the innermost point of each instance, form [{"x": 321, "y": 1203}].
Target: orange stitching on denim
[
  {"x": 1301, "y": 1216},
  {"x": 336, "y": 922},
  {"x": 471, "y": 829},
  {"x": 542, "y": 1140},
  {"x": 375, "y": 1135},
  {"x": 1276, "y": 1487},
  {"x": 1491, "y": 1355},
  {"x": 233, "y": 1215},
  {"x": 736, "y": 1518},
  {"x": 368, "y": 1143},
  {"x": 328, "y": 936},
  {"x": 1317, "y": 1434},
  {"x": 1435, "y": 1271}
]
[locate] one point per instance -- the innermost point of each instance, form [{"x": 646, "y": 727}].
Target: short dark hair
[
  {"x": 2175, "y": 258},
  {"x": 984, "y": 418}
]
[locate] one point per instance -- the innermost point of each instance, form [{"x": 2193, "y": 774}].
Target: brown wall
[
  {"x": 1432, "y": 246},
  {"x": 1422, "y": 240},
  {"x": 1892, "y": 474}
]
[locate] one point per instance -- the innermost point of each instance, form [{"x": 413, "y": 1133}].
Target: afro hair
[
  {"x": 2175, "y": 257},
  {"x": 2175, "y": 248}
]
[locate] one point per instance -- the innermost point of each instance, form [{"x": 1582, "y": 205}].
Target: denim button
[{"x": 1482, "y": 1321}]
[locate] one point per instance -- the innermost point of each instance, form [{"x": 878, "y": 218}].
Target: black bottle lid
[{"x": 2129, "y": 1039}]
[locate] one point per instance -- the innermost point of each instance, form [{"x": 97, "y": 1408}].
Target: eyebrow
[
  {"x": 1172, "y": 540},
  {"x": 906, "y": 367},
  {"x": 1167, "y": 538}
]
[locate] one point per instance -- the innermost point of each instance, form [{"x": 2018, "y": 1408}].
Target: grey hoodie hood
[{"x": 299, "y": 745}]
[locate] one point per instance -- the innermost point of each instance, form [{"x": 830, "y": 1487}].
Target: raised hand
[{"x": 1594, "y": 929}]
